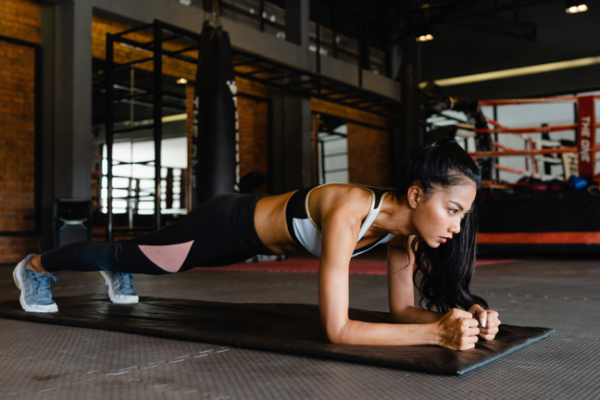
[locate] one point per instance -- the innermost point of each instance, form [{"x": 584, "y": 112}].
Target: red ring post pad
[{"x": 284, "y": 328}]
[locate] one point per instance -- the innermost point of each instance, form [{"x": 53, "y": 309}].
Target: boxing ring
[
  {"x": 534, "y": 147},
  {"x": 540, "y": 212}
]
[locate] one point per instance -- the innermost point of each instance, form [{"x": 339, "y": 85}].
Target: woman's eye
[{"x": 453, "y": 211}]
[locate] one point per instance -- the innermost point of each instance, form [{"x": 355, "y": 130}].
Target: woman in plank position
[{"x": 426, "y": 222}]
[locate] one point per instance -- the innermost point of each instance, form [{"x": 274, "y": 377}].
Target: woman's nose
[{"x": 455, "y": 228}]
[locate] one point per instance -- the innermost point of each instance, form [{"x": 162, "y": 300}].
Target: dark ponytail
[{"x": 446, "y": 270}]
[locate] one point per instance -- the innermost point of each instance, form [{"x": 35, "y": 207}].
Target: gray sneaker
[
  {"x": 120, "y": 287},
  {"x": 35, "y": 288}
]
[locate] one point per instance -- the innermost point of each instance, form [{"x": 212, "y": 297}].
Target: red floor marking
[
  {"x": 540, "y": 238},
  {"x": 369, "y": 267},
  {"x": 489, "y": 262}
]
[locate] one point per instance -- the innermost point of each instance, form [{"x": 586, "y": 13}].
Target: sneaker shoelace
[
  {"x": 126, "y": 283},
  {"x": 41, "y": 285}
]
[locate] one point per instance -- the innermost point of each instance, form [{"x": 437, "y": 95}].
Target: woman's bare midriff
[{"x": 271, "y": 225}]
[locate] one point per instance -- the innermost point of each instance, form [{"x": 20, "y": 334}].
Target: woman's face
[{"x": 437, "y": 215}]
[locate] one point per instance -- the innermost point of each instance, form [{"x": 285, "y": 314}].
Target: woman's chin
[{"x": 434, "y": 244}]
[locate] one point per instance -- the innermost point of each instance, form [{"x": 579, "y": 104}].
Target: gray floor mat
[{"x": 565, "y": 366}]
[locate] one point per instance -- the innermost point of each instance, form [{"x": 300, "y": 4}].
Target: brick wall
[
  {"x": 369, "y": 147},
  {"x": 253, "y": 116},
  {"x": 19, "y": 19},
  {"x": 369, "y": 156}
]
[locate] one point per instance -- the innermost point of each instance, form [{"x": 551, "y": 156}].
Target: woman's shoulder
[
  {"x": 350, "y": 186},
  {"x": 350, "y": 194},
  {"x": 341, "y": 192},
  {"x": 343, "y": 200}
]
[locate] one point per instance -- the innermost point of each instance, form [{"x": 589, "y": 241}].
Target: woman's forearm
[
  {"x": 365, "y": 333},
  {"x": 416, "y": 315}
]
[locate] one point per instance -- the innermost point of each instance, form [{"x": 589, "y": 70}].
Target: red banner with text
[{"x": 586, "y": 136}]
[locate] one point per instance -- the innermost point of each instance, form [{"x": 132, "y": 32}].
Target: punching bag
[
  {"x": 483, "y": 143},
  {"x": 215, "y": 159}
]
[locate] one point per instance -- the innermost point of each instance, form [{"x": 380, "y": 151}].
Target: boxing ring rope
[
  {"x": 534, "y": 129},
  {"x": 514, "y": 153},
  {"x": 534, "y": 147}
]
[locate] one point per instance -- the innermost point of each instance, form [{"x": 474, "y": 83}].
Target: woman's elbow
[
  {"x": 336, "y": 334},
  {"x": 332, "y": 336},
  {"x": 400, "y": 316}
]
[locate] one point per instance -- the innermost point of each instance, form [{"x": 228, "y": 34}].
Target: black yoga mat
[{"x": 285, "y": 328}]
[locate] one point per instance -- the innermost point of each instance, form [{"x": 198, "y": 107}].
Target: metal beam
[
  {"x": 157, "y": 120},
  {"x": 109, "y": 135}
]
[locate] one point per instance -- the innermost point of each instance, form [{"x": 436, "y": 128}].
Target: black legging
[{"x": 218, "y": 232}]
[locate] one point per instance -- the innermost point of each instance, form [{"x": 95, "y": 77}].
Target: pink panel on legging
[{"x": 168, "y": 257}]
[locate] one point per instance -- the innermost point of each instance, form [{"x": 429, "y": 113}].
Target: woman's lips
[{"x": 443, "y": 239}]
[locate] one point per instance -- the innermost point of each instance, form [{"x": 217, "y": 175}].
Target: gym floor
[{"x": 40, "y": 361}]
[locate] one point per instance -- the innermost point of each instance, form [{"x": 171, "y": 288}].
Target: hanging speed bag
[{"x": 214, "y": 162}]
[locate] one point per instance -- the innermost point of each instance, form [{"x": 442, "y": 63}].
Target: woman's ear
[{"x": 414, "y": 196}]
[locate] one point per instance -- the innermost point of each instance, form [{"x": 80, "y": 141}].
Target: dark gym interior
[{"x": 99, "y": 105}]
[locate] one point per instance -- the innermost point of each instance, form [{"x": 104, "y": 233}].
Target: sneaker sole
[
  {"x": 17, "y": 277},
  {"x": 107, "y": 281}
]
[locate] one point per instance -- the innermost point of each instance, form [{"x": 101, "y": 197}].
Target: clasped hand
[{"x": 460, "y": 330}]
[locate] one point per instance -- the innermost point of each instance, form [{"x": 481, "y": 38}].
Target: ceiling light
[
  {"x": 181, "y": 81},
  {"x": 575, "y": 6},
  {"x": 424, "y": 38},
  {"x": 423, "y": 33},
  {"x": 521, "y": 71}
]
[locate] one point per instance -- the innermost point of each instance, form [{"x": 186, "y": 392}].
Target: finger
[
  {"x": 478, "y": 312},
  {"x": 468, "y": 343},
  {"x": 463, "y": 314},
  {"x": 475, "y": 310},
  {"x": 469, "y": 329},
  {"x": 467, "y": 347},
  {"x": 483, "y": 317},
  {"x": 487, "y": 337},
  {"x": 494, "y": 324},
  {"x": 491, "y": 331},
  {"x": 471, "y": 332},
  {"x": 471, "y": 322}
]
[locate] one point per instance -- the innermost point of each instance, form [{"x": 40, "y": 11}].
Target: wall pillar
[
  {"x": 406, "y": 133},
  {"x": 291, "y": 142},
  {"x": 66, "y": 106}
]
